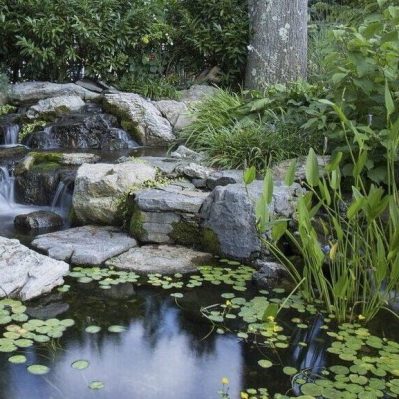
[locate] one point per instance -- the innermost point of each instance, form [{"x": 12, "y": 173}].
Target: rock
[
  {"x": 99, "y": 187},
  {"x": 280, "y": 169},
  {"x": 171, "y": 109},
  {"x": 32, "y": 92},
  {"x": 38, "y": 220},
  {"x": 159, "y": 259},
  {"x": 165, "y": 165},
  {"x": 268, "y": 273},
  {"x": 182, "y": 152},
  {"x": 97, "y": 87},
  {"x": 3, "y": 98},
  {"x": 193, "y": 171},
  {"x": 140, "y": 117},
  {"x": 11, "y": 154},
  {"x": 176, "y": 112},
  {"x": 196, "y": 93},
  {"x": 166, "y": 199},
  {"x": 78, "y": 158},
  {"x": 37, "y": 185},
  {"x": 55, "y": 106},
  {"x": 228, "y": 217},
  {"x": 87, "y": 245},
  {"x": 79, "y": 131},
  {"x": 168, "y": 215},
  {"x": 38, "y": 175},
  {"x": 25, "y": 274},
  {"x": 224, "y": 177}
]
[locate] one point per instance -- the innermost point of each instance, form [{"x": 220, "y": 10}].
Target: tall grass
[{"x": 231, "y": 138}]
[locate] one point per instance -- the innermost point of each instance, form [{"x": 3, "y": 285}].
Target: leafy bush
[
  {"x": 358, "y": 273},
  {"x": 149, "y": 85},
  {"x": 211, "y": 33},
  {"x": 56, "y": 39}
]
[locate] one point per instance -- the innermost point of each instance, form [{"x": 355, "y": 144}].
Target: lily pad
[{"x": 38, "y": 369}]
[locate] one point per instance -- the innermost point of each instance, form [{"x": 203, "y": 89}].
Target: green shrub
[{"x": 149, "y": 85}]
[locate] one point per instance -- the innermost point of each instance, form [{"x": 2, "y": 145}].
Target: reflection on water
[
  {"x": 160, "y": 355},
  {"x": 166, "y": 352}
]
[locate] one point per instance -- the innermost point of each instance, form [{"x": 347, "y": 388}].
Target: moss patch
[
  {"x": 45, "y": 157},
  {"x": 186, "y": 233},
  {"x": 136, "y": 228},
  {"x": 45, "y": 167},
  {"x": 210, "y": 241}
]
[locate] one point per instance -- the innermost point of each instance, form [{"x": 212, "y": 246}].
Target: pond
[{"x": 173, "y": 337}]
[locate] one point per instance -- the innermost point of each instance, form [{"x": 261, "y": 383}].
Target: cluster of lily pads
[
  {"x": 22, "y": 332},
  {"x": 236, "y": 277},
  {"x": 106, "y": 277}
]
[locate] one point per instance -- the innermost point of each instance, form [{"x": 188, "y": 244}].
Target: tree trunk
[{"x": 278, "y": 47}]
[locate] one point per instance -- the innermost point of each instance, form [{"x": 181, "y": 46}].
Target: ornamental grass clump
[{"x": 350, "y": 250}]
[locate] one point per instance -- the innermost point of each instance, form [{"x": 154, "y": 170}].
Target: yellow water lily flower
[{"x": 225, "y": 381}]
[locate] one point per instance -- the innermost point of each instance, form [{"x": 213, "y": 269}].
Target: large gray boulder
[
  {"x": 168, "y": 200},
  {"x": 140, "y": 118},
  {"x": 25, "y": 274},
  {"x": 176, "y": 112},
  {"x": 168, "y": 215},
  {"x": 55, "y": 106},
  {"x": 229, "y": 221},
  {"x": 87, "y": 245},
  {"x": 161, "y": 259},
  {"x": 32, "y": 92},
  {"x": 196, "y": 93},
  {"x": 100, "y": 187}
]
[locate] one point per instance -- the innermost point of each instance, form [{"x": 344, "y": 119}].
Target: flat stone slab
[
  {"x": 87, "y": 245},
  {"x": 169, "y": 200},
  {"x": 163, "y": 259},
  {"x": 25, "y": 274}
]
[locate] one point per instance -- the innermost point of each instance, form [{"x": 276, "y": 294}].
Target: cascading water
[
  {"x": 7, "y": 189},
  {"x": 62, "y": 200},
  {"x": 11, "y": 132}
]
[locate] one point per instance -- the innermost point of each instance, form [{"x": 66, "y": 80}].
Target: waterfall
[
  {"x": 7, "y": 188},
  {"x": 62, "y": 200},
  {"x": 11, "y": 133}
]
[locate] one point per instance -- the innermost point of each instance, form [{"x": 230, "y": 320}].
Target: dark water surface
[{"x": 168, "y": 350}]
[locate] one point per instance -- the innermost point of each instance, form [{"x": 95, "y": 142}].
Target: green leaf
[
  {"x": 290, "y": 175},
  {"x": 279, "y": 229},
  {"x": 312, "y": 169},
  {"x": 249, "y": 175},
  {"x": 389, "y": 104},
  {"x": 80, "y": 364},
  {"x": 268, "y": 186}
]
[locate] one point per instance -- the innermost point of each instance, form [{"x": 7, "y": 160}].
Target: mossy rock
[
  {"x": 136, "y": 228},
  {"x": 45, "y": 167},
  {"x": 46, "y": 157},
  {"x": 186, "y": 233},
  {"x": 131, "y": 127},
  {"x": 210, "y": 241}
]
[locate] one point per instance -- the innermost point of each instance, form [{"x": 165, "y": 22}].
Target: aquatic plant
[{"x": 358, "y": 272}]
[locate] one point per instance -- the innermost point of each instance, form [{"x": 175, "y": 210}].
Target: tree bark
[{"x": 278, "y": 46}]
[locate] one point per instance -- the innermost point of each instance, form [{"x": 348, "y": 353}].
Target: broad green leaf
[
  {"x": 312, "y": 169},
  {"x": 389, "y": 104},
  {"x": 290, "y": 175},
  {"x": 249, "y": 175},
  {"x": 268, "y": 186}
]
